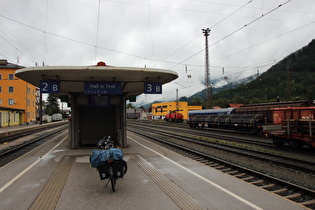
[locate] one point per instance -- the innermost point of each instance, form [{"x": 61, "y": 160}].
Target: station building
[
  {"x": 17, "y": 97},
  {"x": 160, "y": 110}
]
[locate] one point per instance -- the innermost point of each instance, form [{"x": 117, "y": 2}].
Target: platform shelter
[{"x": 97, "y": 96}]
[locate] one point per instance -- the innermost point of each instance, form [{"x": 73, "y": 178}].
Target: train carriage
[{"x": 206, "y": 117}]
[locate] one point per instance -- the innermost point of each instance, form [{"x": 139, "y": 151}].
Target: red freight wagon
[
  {"x": 303, "y": 113},
  {"x": 298, "y": 126}
]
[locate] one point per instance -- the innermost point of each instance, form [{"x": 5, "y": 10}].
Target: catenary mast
[{"x": 208, "y": 87}]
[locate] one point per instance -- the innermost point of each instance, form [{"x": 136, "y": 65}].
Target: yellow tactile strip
[
  {"x": 49, "y": 195},
  {"x": 183, "y": 200}
]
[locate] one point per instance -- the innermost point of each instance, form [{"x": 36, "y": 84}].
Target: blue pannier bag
[
  {"x": 99, "y": 156},
  {"x": 116, "y": 153}
]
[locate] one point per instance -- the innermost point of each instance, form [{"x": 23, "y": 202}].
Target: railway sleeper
[
  {"x": 213, "y": 165},
  {"x": 248, "y": 178},
  {"x": 226, "y": 170},
  {"x": 268, "y": 186},
  {"x": 192, "y": 156},
  {"x": 240, "y": 175},
  {"x": 233, "y": 172},
  {"x": 219, "y": 167},
  {"x": 307, "y": 203},
  {"x": 293, "y": 196},
  {"x": 259, "y": 181}
]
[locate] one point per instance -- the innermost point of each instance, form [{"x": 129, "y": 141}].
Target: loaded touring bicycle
[{"x": 109, "y": 161}]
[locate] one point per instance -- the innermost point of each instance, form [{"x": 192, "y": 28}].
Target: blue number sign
[
  {"x": 50, "y": 86},
  {"x": 153, "y": 88}
]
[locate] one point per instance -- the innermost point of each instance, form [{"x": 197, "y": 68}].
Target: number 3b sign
[
  {"x": 50, "y": 86},
  {"x": 153, "y": 88}
]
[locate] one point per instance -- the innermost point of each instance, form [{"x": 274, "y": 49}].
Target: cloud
[{"x": 245, "y": 36}]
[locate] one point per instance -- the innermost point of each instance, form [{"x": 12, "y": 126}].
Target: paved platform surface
[{"x": 56, "y": 177}]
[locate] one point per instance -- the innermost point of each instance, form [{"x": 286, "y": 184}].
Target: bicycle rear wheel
[
  {"x": 112, "y": 179},
  {"x": 113, "y": 182}
]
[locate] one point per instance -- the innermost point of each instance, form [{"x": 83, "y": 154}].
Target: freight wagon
[{"x": 298, "y": 126}]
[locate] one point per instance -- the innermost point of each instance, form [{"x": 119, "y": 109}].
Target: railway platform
[{"x": 56, "y": 177}]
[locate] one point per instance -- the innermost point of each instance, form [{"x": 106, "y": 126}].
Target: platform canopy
[{"x": 72, "y": 78}]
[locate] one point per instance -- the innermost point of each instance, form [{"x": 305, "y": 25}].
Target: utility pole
[
  {"x": 208, "y": 86},
  {"x": 289, "y": 83},
  {"x": 177, "y": 104}
]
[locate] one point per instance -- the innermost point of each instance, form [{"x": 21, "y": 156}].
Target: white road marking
[
  {"x": 201, "y": 177},
  {"x": 28, "y": 168}
]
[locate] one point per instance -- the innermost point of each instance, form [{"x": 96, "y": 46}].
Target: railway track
[
  {"x": 296, "y": 164},
  {"x": 239, "y": 136},
  {"x": 300, "y": 194},
  {"x": 4, "y": 138},
  {"x": 226, "y": 135},
  {"x": 9, "y": 154}
]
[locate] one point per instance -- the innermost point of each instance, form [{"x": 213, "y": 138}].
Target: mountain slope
[{"x": 290, "y": 79}]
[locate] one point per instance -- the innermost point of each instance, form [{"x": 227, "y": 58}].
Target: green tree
[
  {"x": 52, "y": 105},
  {"x": 184, "y": 98},
  {"x": 196, "y": 101},
  {"x": 129, "y": 105},
  {"x": 221, "y": 102}
]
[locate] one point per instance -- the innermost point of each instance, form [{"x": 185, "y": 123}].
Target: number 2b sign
[
  {"x": 50, "y": 86},
  {"x": 153, "y": 88}
]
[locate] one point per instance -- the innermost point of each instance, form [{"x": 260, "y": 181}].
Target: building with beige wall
[
  {"x": 17, "y": 97},
  {"x": 159, "y": 110}
]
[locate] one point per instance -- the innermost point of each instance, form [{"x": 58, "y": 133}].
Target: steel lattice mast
[{"x": 208, "y": 87}]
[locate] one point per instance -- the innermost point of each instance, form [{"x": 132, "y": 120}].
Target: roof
[
  {"x": 235, "y": 105},
  {"x": 72, "y": 78},
  {"x": 4, "y": 64},
  {"x": 11, "y": 109},
  {"x": 212, "y": 111}
]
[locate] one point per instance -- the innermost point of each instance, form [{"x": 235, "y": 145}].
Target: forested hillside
[{"x": 290, "y": 79}]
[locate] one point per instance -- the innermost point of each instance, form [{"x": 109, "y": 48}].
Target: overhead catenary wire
[
  {"x": 10, "y": 42},
  {"x": 14, "y": 42},
  {"x": 268, "y": 40},
  {"x": 45, "y": 37},
  {"x": 93, "y": 45},
  {"x": 97, "y": 28},
  {"x": 210, "y": 27},
  {"x": 230, "y": 34}
]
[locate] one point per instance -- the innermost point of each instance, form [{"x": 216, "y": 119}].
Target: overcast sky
[{"x": 246, "y": 37}]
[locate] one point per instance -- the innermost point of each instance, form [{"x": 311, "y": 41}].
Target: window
[
  {"x": 0, "y": 89},
  {"x": 11, "y": 76},
  {"x": 11, "y": 102},
  {"x": 0, "y": 76},
  {"x": 0, "y": 101},
  {"x": 11, "y": 89}
]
